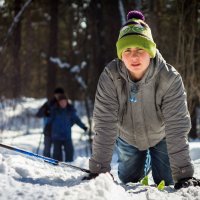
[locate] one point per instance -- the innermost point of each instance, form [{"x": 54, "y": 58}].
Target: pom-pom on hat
[{"x": 135, "y": 33}]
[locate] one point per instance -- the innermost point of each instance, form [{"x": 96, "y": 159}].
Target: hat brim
[{"x": 133, "y": 41}]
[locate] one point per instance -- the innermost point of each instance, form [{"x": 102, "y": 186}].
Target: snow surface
[{"x": 24, "y": 177}]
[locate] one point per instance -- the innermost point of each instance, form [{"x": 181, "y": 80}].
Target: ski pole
[
  {"x": 74, "y": 167},
  {"x": 46, "y": 159},
  {"x": 39, "y": 143}
]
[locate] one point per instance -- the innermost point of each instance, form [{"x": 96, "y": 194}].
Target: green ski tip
[
  {"x": 145, "y": 181},
  {"x": 161, "y": 185}
]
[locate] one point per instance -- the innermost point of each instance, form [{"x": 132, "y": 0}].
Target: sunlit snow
[{"x": 24, "y": 177}]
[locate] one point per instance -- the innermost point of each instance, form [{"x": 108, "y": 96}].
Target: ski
[{"x": 46, "y": 159}]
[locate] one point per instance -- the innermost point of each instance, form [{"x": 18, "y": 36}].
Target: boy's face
[
  {"x": 63, "y": 103},
  {"x": 136, "y": 61}
]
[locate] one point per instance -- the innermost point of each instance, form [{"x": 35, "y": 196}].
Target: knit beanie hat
[
  {"x": 59, "y": 90},
  {"x": 135, "y": 33},
  {"x": 62, "y": 97}
]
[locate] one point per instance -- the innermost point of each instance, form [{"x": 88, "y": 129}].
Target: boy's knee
[{"x": 129, "y": 178}]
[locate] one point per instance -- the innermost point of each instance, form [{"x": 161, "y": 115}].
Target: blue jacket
[
  {"x": 62, "y": 119},
  {"x": 45, "y": 112}
]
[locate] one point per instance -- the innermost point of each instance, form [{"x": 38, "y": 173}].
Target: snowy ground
[{"x": 26, "y": 178}]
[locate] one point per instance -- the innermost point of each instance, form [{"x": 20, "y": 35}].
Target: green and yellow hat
[{"x": 135, "y": 33}]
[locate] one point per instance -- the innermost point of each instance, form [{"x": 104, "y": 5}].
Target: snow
[
  {"x": 60, "y": 63},
  {"x": 25, "y": 177},
  {"x": 75, "y": 70}
]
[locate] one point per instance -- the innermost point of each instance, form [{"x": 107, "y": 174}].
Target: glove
[
  {"x": 85, "y": 128},
  {"x": 90, "y": 176},
  {"x": 186, "y": 182},
  {"x": 93, "y": 175}
]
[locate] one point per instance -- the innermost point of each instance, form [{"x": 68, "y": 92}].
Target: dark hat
[
  {"x": 59, "y": 90},
  {"x": 62, "y": 97}
]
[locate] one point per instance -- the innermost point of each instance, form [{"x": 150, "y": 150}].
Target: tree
[
  {"x": 53, "y": 45},
  {"x": 16, "y": 78},
  {"x": 188, "y": 54}
]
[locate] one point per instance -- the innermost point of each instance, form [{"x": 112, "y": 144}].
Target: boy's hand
[
  {"x": 93, "y": 175},
  {"x": 90, "y": 176},
  {"x": 85, "y": 128}
]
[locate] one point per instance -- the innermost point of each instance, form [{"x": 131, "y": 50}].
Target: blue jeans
[{"x": 131, "y": 166}]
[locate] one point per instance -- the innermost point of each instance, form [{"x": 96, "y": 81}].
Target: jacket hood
[{"x": 156, "y": 64}]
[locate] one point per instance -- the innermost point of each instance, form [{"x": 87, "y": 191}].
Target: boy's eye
[{"x": 127, "y": 50}]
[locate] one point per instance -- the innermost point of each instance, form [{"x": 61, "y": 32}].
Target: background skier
[
  {"x": 44, "y": 112},
  {"x": 62, "y": 118}
]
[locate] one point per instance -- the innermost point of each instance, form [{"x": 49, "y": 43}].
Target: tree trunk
[
  {"x": 53, "y": 45},
  {"x": 187, "y": 55},
  {"x": 16, "y": 79}
]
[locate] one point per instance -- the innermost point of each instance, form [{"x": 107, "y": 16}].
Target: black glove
[
  {"x": 186, "y": 182},
  {"x": 85, "y": 128},
  {"x": 93, "y": 175},
  {"x": 90, "y": 176}
]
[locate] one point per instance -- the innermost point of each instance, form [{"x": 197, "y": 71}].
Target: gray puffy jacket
[{"x": 159, "y": 110}]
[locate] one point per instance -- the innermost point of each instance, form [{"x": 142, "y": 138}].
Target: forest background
[{"x": 67, "y": 43}]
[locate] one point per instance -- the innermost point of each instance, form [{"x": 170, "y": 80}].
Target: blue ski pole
[{"x": 46, "y": 159}]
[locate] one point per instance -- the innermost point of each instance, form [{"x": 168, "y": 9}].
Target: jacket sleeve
[
  {"x": 77, "y": 120},
  {"x": 105, "y": 117},
  {"x": 43, "y": 111},
  {"x": 177, "y": 127}
]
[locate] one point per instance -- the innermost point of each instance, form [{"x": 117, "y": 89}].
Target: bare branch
[{"x": 14, "y": 23}]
